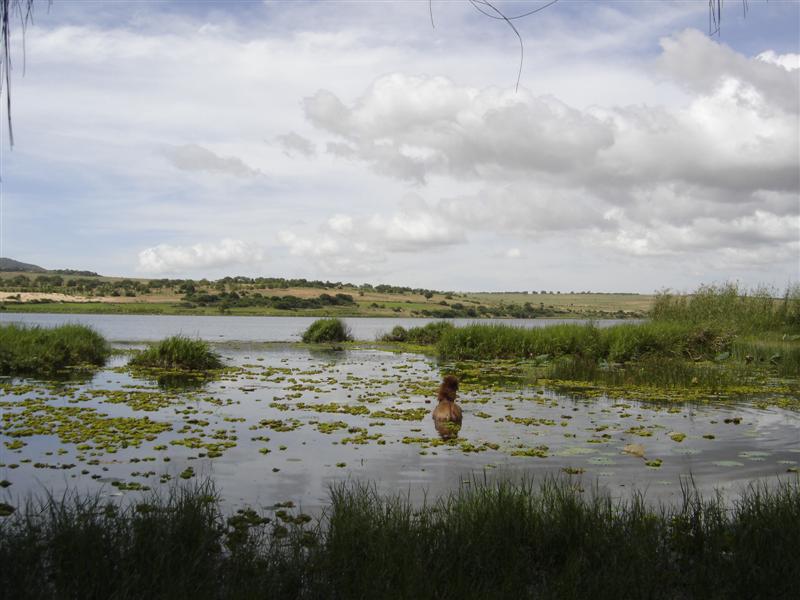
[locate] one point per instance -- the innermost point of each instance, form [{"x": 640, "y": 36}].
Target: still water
[
  {"x": 148, "y": 328},
  {"x": 286, "y": 422}
]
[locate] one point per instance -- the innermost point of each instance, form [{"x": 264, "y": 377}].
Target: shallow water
[
  {"x": 149, "y": 328},
  {"x": 367, "y": 438}
]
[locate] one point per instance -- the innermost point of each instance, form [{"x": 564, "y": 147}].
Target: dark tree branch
[{"x": 22, "y": 9}]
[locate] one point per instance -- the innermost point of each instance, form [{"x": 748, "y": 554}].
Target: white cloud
[
  {"x": 294, "y": 143},
  {"x": 342, "y": 224},
  {"x": 720, "y": 171},
  {"x": 192, "y": 157},
  {"x": 412, "y": 230},
  {"x": 790, "y": 62},
  {"x": 333, "y": 255},
  {"x": 170, "y": 259}
]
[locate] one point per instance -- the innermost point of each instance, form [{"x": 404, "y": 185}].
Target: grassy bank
[
  {"x": 39, "y": 350},
  {"x": 488, "y": 540}
]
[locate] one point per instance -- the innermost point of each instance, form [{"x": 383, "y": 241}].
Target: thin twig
[{"x": 500, "y": 16}]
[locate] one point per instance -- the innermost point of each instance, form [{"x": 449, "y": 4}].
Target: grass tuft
[
  {"x": 43, "y": 351},
  {"x": 178, "y": 353},
  {"x": 327, "y": 330}
]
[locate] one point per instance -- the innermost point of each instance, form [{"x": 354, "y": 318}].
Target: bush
[
  {"x": 327, "y": 330},
  {"x": 40, "y": 350},
  {"x": 178, "y": 353}
]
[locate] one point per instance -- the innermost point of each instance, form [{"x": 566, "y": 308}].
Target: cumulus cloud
[
  {"x": 294, "y": 143},
  {"x": 413, "y": 230},
  {"x": 348, "y": 244},
  {"x": 790, "y": 62},
  {"x": 333, "y": 254},
  {"x": 721, "y": 170},
  {"x": 192, "y": 157},
  {"x": 409, "y": 127},
  {"x": 694, "y": 60},
  {"x": 165, "y": 258}
]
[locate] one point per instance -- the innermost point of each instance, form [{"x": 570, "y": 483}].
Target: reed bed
[
  {"x": 651, "y": 372},
  {"x": 44, "y": 351},
  {"x": 619, "y": 343},
  {"x": 729, "y": 305},
  {"x": 490, "y": 539}
]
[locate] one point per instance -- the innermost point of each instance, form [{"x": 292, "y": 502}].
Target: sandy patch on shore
[{"x": 56, "y": 297}]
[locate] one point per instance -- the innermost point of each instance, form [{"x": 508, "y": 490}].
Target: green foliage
[
  {"x": 501, "y": 341},
  {"x": 327, "y": 330},
  {"x": 617, "y": 343},
  {"x": 178, "y": 353},
  {"x": 40, "y": 350},
  {"x": 782, "y": 354},
  {"x": 427, "y": 335},
  {"x": 488, "y": 540},
  {"x": 731, "y": 307},
  {"x": 653, "y": 371}
]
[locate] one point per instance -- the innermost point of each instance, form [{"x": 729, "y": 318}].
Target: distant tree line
[{"x": 228, "y": 300}]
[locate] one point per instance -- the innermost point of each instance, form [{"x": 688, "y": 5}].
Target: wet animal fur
[{"x": 447, "y": 409}]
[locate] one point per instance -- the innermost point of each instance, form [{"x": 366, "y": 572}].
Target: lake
[
  {"x": 148, "y": 328},
  {"x": 288, "y": 421}
]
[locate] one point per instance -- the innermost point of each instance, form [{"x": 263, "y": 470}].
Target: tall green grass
[
  {"x": 657, "y": 372},
  {"x": 40, "y": 350},
  {"x": 618, "y": 343},
  {"x": 327, "y": 330},
  {"x": 178, "y": 353},
  {"x": 730, "y": 306},
  {"x": 489, "y": 540},
  {"x": 428, "y": 334},
  {"x": 781, "y": 355}
]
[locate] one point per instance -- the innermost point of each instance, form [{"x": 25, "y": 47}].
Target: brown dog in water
[{"x": 447, "y": 409}]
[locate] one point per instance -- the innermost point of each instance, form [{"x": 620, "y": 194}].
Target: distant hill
[{"x": 9, "y": 264}]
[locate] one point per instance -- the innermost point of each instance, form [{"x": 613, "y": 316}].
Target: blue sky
[{"x": 352, "y": 141}]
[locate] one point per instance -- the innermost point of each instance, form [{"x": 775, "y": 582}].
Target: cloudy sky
[{"x": 353, "y": 141}]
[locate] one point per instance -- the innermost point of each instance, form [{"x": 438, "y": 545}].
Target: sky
[{"x": 387, "y": 142}]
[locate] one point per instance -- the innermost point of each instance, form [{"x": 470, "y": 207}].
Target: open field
[{"x": 34, "y": 292}]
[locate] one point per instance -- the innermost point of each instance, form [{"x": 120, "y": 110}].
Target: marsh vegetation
[
  {"x": 178, "y": 353},
  {"x": 43, "y": 351},
  {"x": 327, "y": 330},
  {"x": 548, "y": 539}
]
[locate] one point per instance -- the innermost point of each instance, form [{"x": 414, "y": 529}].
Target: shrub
[
  {"x": 40, "y": 350},
  {"x": 327, "y": 330},
  {"x": 178, "y": 353}
]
